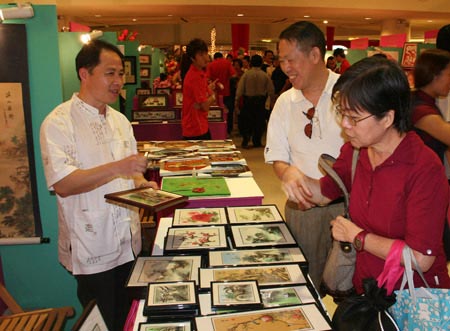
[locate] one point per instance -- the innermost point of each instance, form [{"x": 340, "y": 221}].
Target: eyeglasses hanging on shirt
[{"x": 313, "y": 122}]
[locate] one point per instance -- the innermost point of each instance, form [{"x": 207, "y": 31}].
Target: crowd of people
[{"x": 399, "y": 190}]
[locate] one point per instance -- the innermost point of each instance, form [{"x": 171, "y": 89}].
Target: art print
[
  {"x": 268, "y": 234},
  {"x": 194, "y": 238},
  {"x": 286, "y": 296},
  {"x": 253, "y": 214},
  {"x": 172, "y": 293},
  {"x": 165, "y": 326},
  {"x": 256, "y": 256},
  {"x": 199, "y": 216},
  {"x": 237, "y": 293},
  {"x": 164, "y": 269}
]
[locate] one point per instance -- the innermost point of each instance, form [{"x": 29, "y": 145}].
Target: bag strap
[{"x": 354, "y": 162}]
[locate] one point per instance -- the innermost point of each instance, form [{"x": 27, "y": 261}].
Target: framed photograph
[
  {"x": 154, "y": 115},
  {"x": 164, "y": 90},
  {"x": 171, "y": 296},
  {"x": 286, "y": 296},
  {"x": 153, "y": 269},
  {"x": 256, "y": 257},
  {"x": 238, "y": 294},
  {"x": 143, "y": 91},
  {"x": 262, "y": 235},
  {"x": 199, "y": 216},
  {"x": 188, "y": 239},
  {"x": 409, "y": 55},
  {"x": 147, "y": 198},
  {"x": 145, "y": 59},
  {"x": 254, "y": 214},
  {"x": 293, "y": 318},
  {"x": 129, "y": 67},
  {"x": 177, "y": 96},
  {"x": 267, "y": 276},
  {"x": 166, "y": 326},
  {"x": 153, "y": 101},
  {"x": 144, "y": 72},
  {"x": 91, "y": 319}
]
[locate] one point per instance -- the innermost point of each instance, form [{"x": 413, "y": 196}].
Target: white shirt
[
  {"x": 286, "y": 140},
  {"x": 94, "y": 235}
]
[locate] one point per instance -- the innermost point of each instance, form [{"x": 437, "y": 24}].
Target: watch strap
[{"x": 359, "y": 240}]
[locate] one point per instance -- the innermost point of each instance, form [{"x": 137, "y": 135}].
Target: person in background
[
  {"x": 222, "y": 70},
  {"x": 373, "y": 102},
  {"x": 432, "y": 80},
  {"x": 267, "y": 65},
  {"x": 339, "y": 55},
  {"x": 280, "y": 80},
  {"x": 229, "y": 57},
  {"x": 303, "y": 126},
  {"x": 246, "y": 62},
  {"x": 237, "y": 65},
  {"x": 254, "y": 87},
  {"x": 88, "y": 150},
  {"x": 198, "y": 95},
  {"x": 331, "y": 63}
]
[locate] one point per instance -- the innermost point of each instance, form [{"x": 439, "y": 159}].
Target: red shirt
[
  {"x": 405, "y": 198},
  {"x": 194, "y": 121},
  {"x": 344, "y": 66},
  {"x": 223, "y": 70}
]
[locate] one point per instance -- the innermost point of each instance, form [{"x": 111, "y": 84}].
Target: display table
[{"x": 172, "y": 131}]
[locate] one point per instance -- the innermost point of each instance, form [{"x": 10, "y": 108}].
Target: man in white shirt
[{"x": 88, "y": 150}]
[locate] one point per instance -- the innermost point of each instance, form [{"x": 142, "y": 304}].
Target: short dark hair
[
  {"x": 443, "y": 38},
  {"x": 267, "y": 51},
  {"x": 307, "y": 35},
  {"x": 239, "y": 61},
  {"x": 89, "y": 55},
  {"x": 339, "y": 52},
  {"x": 218, "y": 55},
  {"x": 429, "y": 64},
  {"x": 195, "y": 46},
  {"x": 256, "y": 61},
  {"x": 377, "y": 86}
]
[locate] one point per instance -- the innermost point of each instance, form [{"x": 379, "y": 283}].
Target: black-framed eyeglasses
[
  {"x": 309, "y": 126},
  {"x": 351, "y": 119}
]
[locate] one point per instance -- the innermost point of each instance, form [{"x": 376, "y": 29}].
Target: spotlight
[
  {"x": 94, "y": 34},
  {"x": 21, "y": 11}
]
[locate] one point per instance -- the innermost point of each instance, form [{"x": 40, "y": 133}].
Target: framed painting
[
  {"x": 256, "y": 257},
  {"x": 153, "y": 101},
  {"x": 191, "y": 239},
  {"x": 166, "y": 326},
  {"x": 163, "y": 90},
  {"x": 143, "y": 91},
  {"x": 267, "y": 276},
  {"x": 409, "y": 55},
  {"x": 199, "y": 216},
  {"x": 236, "y": 295},
  {"x": 230, "y": 170},
  {"x": 91, "y": 319},
  {"x": 129, "y": 66},
  {"x": 177, "y": 96},
  {"x": 171, "y": 296},
  {"x": 145, "y": 59},
  {"x": 147, "y": 198},
  {"x": 286, "y": 296},
  {"x": 144, "y": 72},
  {"x": 262, "y": 235},
  {"x": 164, "y": 269},
  {"x": 254, "y": 214},
  {"x": 293, "y": 318}
]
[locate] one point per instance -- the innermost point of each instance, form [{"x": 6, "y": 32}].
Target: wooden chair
[{"x": 51, "y": 319}]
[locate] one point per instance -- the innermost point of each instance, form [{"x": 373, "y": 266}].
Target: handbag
[
  {"x": 420, "y": 308},
  {"x": 337, "y": 277}
]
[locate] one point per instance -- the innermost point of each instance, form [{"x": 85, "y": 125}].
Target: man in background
[
  {"x": 303, "y": 126},
  {"x": 340, "y": 57},
  {"x": 88, "y": 150}
]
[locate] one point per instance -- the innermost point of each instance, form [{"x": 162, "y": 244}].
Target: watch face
[{"x": 358, "y": 244}]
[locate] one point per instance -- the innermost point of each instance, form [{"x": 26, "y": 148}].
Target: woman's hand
[{"x": 344, "y": 229}]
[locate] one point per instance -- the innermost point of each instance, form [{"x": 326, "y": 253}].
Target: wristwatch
[{"x": 358, "y": 242}]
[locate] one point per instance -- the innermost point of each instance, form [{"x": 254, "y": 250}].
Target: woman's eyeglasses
[
  {"x": 309, "y": 127},
  {"x": 351, "y": 119}
]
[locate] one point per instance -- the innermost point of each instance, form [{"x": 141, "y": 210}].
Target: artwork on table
[
  {"x": 256, "y": 256},
  {"x": 145, "y": 59},
  {"x": 293, "y": 318},
  {"x": 254, "y": 214},
  {"x": 129, "y": 67},
  {"x": 91, "y": 319},
  {"x": 196, "y": 186},
  {"x": 153, "y": 101},
  {"x": 183, "y": 165},
  {"x": 286, "y": 296},
  {"x": 230, "y": 170},
  {"x": 267, "y": 234},
  {"x": 181, "y": 239},
  {"x": 224, "y": 157},
  {"x": 166, "y": 326},
  {"x": 147, "y": 198},
  {"x": 270, "y": 275},
  {"x": 222, "y": 144},
  {"x": 199, "y": 216},
  {"x": 171, "y": 295},
  {"x": 164, "y": 269},
  {"x": 236, "y": 294},
  {"x": 409, "y": 55}
]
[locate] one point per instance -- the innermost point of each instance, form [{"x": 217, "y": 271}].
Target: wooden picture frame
[
  {"x": 171, "y": 296},
  {"x": 143, "y": 91},
  {"x": 145, "y": 59},
  {"x": 194, "y": 239},
  {"x": 236, "y": 294},
  {"x": 256, "y": 257},
  {"x": 91, "y": 319},
  {"x": 129, "y": 67},
  {"x": 254, "y": 214},
  {"x": 144, "y": 72},
  {"x": 147, "y": 198},
  {"x": 301, "y": 317},
  {"x": 409, "y": 55},
  {"x": 267, "y": 275},
  {"x": 183, "y": 325},
  {"x": 199, "y": 217},
  {"x": 153, "y": 269},
  {"x": 153, "y": 101}
]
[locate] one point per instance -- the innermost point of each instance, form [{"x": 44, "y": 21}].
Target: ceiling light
[
  {"x": 306, "y": 16},
  {"x": 325, "y": 22},
  {"x": 266, "y": 40},
  {"x": 134, "y": 19},
  {"x": 94, "y": 34},
  {"x": 21, "y": 11},
  {"x": 240, "y": 15},
  {"x": 367, "y": 18}
]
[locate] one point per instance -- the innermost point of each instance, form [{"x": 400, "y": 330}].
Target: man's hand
[
  {"x": 132, "y": 165},
  {"x": 295, "y": 185}
]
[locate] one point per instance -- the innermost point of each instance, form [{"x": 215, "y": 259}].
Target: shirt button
[{"x": 429, "y": 251}]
